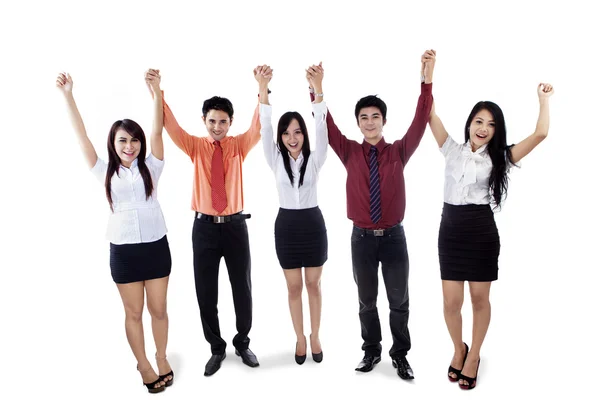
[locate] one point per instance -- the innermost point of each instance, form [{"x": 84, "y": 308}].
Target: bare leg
[
  {"x": 312, "y": 276},
  {"x": 453, "y": 300},
  {"x": 156, "y": 292},
  {"x": 132, "y": 295},
  {"x": 293, "y": 278},
  {"x": 482, "y": 311}
]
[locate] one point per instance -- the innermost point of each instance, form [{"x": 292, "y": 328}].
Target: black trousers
[
  {"x": 390, "y": 250},
  {"x": 211, "y": 242}
]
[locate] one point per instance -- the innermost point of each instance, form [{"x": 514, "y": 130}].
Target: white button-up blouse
[
  {"x": 135, "y": 219},
  {"x": 467, "y": 173},
  {"x": 291, "y": 196}
]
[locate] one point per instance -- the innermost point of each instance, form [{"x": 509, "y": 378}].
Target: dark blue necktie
[{"x": 374, "y": 190}]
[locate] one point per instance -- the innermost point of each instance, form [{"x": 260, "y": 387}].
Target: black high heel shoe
[
  {"x": 299, "y": 359},
  {"x": 471, "y": 382},
  {"x": 317, "y": 357},
  {"x": 170, "y": 374},
  {"x": 458, "y": 371},
  {"x": 152, "y": 387}
]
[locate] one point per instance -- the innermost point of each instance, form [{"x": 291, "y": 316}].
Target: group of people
[{"x": 140, "y": 260}]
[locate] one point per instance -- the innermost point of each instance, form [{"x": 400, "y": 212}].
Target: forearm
[
  {"x": 543, "y": 122},
  {"x": 263, "y": 92},
  {"x": 79, "y": 128},
  {"x": 157, "y": 127}
]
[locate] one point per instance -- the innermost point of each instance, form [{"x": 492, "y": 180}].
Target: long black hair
[
  {"x": 284, "y": 122},
  {"x": 136, "y": 131},
  {"x": 497, "y": 148}
]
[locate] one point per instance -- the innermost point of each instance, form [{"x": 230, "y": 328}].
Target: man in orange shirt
[{"x": 219, "y": 226}]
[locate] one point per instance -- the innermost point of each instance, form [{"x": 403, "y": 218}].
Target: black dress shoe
[
  {"x": 248, "y": 357},
  {"x": 403, "y": 367},
  {"x": 213, "y": 364},
  {"x": 367, "y": 363},
  {"x": 299, "y": 359},
  {"x": 317, "y": 357}
]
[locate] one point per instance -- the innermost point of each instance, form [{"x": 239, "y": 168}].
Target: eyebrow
[{"x": 366, "y": 115}]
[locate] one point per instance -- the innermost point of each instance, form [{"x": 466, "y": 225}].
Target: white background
[{"x": 62, "y": 322}]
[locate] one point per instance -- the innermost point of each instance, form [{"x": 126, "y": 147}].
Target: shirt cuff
[
  {"x": 426, "y": 88},
  {"x": 265, "y": 110}
]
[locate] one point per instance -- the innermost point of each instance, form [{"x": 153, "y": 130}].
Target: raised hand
[
  {"x": 545, "y": 90},
  {"x": 152, "y": 78},
  {"x": 64, "y": 82},
  {"x": 427, "y": 65},
  {"x": 263, "y": 74},
  {"x": 314, "y": 76}
]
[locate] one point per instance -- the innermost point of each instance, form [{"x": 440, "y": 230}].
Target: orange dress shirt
[{"x": 200, "y": 151}]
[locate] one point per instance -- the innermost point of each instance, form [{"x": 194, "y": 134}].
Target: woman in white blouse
[
  {"x": 468, "y": 242},
  {"x": 300, "y": 232},
  {"x": 140, "y": 259}
]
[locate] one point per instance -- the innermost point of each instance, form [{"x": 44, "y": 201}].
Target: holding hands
[
  {"x": 427, "y": 64},
  {"x": 263, "y": 75},
  {"x": 314, "y": 76},
  {"x": 152, "y": 78}
]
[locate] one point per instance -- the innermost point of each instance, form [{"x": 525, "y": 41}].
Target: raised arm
[
  {"x": 153, "y": 82},
  {"x": 263, "y": 75},
  {"x": 178, "y": 135},
  {"x": 247, "y": 140},
  {"x": 315, "y": 79},
  {"x": 437, "y": 128},
  {"x": 412, "y": 138},
  {"x": 338, "y": 142},
  {"x": 520, "y": 150},
  {"x": 65, "y": 83}
]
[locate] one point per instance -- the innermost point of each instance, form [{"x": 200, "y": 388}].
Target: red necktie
[{"x": 219, "y": 197}]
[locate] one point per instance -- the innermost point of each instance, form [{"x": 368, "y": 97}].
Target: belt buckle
[
  {"x": 218, "y": 219},
  {"x": 378, "y": 232}
]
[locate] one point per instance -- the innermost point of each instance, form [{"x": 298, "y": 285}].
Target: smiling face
[
  {"x": 371, "y": 122},
  {"x": 482, "y": 129},
  {"x": 127, "y": 147},
  {"x": 293, "y": 138},
  {"x": 217, "y": 123}
]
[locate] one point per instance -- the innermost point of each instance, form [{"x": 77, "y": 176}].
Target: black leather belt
[
  {"x": 378, "y": 232},
  {"x": 221, "y": 219}
]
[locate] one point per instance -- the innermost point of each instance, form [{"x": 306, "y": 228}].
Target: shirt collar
[
  {"x": 134, "y": 164},
  {"x": 379, "y": 146},
  {"x": 478, "y": 151}
]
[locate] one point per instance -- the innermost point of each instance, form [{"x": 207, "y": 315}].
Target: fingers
[
  {"x": 62, "y": 79},
  {"x": 546, "y": 87},
  {"x": 263, "y": 70}
]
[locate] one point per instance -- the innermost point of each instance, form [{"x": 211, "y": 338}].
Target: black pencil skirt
[
  {"x": 300, "y": 238},
  {"x": 140, "y": 261},
  {"x": 468, "y": 243}
]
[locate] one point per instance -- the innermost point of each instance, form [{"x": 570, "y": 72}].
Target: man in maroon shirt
[{"x": 375, "y": 203}]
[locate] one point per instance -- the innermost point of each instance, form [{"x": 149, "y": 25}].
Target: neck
[
  {"x": 374, "y": 141},
  {"x": 474, "y": 147},
  {"x": 295, "y": 155},
  {"x": 126, "y": 164}
]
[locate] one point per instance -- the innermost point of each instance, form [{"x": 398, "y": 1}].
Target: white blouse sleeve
[
  {"x": 266, "y": 133},
  {"x": 449, "y": 146},
  {"x": 99, "y": 170},
  {"x": 322, "y": 141},
  {"x": 155, "y": 166}
]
